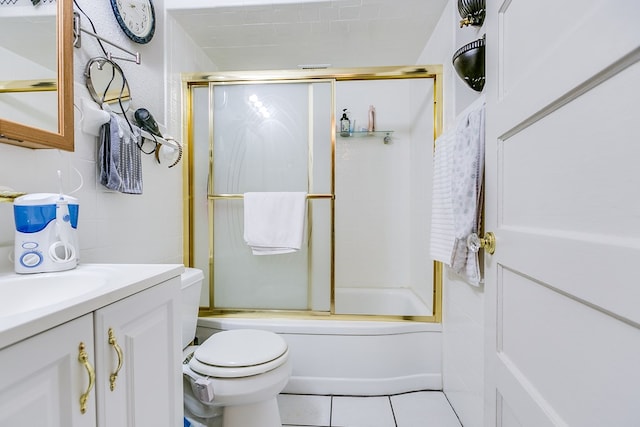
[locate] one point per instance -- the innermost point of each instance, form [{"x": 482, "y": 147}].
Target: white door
[
  {"x": 563, "y": 199},
  {"x": 147, "y": 391},
  {"x": 42, "y": 380}
]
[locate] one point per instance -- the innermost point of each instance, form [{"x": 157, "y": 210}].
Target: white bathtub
[
  {"x": 340, "y": 357},
  {"x": 382, "y": 301}
]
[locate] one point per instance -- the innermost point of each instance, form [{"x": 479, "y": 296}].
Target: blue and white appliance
[{"x": 46, "y": 233}]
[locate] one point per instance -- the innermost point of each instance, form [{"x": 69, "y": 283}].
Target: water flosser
[{"x": 62, "y": 251}]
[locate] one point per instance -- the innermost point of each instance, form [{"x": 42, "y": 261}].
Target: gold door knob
[{"x": 488, "y": 242}]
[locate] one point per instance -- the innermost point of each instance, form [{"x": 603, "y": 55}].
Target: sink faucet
[{"x": 8, "y": 195}]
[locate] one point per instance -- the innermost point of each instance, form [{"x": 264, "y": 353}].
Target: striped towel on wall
[
  {"x": 119, "y": 158},
  {"x": 442, "y": 221}
]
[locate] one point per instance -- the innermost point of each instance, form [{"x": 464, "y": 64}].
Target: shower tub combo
[{"x": 363, "y": 275}]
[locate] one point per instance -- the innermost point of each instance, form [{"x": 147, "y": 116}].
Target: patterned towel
[
  {"x": 467, "y": 177},
  {"x": 119, "y": 157}
]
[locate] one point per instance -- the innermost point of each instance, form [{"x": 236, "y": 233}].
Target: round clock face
[{"x": 136, "y": 18}]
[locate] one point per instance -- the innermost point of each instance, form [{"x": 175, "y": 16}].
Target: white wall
[
  {"x": 463, "y": 314},
  {"x": 181, "y": 56},
  {"x": 114, "y": 227}
]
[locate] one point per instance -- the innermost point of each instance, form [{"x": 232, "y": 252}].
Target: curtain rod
[{"x": 77, "y": 30}]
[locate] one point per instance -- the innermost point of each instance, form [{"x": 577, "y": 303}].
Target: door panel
[
  {"x": 552, "y": 188},
  {"x": 41, "y": 378},
  {"x": 148, "y": 387},
  {"x": 536, "y": 65},
  {"x": 569, "y": 354},
  {"x": 561, "y": 198},
  {"x": 593, "y": 271}
]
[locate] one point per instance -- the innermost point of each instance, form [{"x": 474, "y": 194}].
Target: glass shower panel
[
  {"x": 260, "y": 134},
  {"x": 263, "y": 140},
  {"x": 382, "y": 264},
  {"x": 200, "y": 170}
]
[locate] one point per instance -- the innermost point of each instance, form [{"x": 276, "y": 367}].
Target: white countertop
[{"x": 106, "y": 284}]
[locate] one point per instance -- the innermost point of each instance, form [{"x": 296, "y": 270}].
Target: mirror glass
[
  {"x": 106, "y": 83},
  {"x": 28, "y": 88}
]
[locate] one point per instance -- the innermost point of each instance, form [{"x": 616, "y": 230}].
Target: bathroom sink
[
  {"x": 22, "y": 294},
  {"x": 33, "y": 303}
]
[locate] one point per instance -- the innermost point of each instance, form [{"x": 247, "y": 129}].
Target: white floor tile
[
  {"x": 304, "y": 410},
  {"x": 362, "y": 412},
  {"x": 423, "y": 409}
]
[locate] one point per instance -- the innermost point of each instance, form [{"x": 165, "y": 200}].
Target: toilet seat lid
[{"x": 239, "y": 352}]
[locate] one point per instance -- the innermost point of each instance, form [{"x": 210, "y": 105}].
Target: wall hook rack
[
  {"x": 94, "y": 116},
  {"x": 77, "y": 41},
  {"x": 167, "y": 140}
]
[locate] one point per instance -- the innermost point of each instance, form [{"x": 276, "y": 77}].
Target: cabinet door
[
  {"x": 145, "y": 341},
  {"x": 42, "y": 378}
]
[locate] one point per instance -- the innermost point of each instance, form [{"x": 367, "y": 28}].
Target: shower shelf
[
  {"x": 386, "y": 134},
  {"x": 361, "y": 133}
]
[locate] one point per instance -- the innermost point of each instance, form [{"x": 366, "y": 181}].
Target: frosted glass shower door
[{"x": 270, "y": 137}]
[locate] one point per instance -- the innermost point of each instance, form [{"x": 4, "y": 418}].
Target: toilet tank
[{"x": 191, "y": 285}]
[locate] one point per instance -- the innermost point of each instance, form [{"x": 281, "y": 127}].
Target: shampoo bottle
[
  {"x": 372, "y": 119},
  {"x": 345, "y": 124}
]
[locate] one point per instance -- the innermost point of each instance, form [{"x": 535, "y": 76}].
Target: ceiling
[{"x": 337, "y": 33}]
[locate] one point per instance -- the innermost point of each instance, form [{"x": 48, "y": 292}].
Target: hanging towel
[
  {"x": 274, "y": 222},
  {"x": 442, "y": 222},
  {"x": 109, "y": 155},
  {"x": 119, "y": 157},
  {"x": 466, "y": 190},
  {"x": 131, "y": 160}
]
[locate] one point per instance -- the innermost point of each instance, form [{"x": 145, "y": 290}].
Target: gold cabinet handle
[
  {"x": 488, "y": 242},
  {"x": 114, "y": 343},
  {"x": 83, "y": 357}
]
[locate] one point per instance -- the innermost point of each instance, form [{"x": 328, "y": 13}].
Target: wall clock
[{"x": 136, "y": 18}]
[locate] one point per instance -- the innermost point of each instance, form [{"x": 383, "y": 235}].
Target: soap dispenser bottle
[{"x": 345, "y": 124}]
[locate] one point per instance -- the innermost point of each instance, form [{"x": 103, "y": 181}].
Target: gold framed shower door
[{"x": 190, "y": 81}]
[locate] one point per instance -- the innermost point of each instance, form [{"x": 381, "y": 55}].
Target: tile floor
[{"x": 416, "y": 409}]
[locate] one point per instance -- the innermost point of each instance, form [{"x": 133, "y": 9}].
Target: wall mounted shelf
[{"x": 385, "y": 134}]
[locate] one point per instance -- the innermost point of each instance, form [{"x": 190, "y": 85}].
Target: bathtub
[
  {"x": 380, "y": 301},
  {"x": 338, "y": 357}
]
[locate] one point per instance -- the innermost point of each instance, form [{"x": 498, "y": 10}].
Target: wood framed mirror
[{"x": 37, "y": 112}]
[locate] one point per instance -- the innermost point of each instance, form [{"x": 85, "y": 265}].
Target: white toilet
[{"x": 238, "y": 373}]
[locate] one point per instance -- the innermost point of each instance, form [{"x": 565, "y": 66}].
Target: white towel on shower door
[{"x": 274, "y": 221}]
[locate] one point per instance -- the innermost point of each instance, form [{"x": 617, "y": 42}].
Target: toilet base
[{"x": 260, "y": 414}]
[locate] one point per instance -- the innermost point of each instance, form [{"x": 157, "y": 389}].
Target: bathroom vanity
[{"x": 103, "y": 354}]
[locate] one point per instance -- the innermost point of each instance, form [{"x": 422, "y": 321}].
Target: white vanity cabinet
[
  {"x": 42, "y": 377},
  {"x": 145, "y": 340}
]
